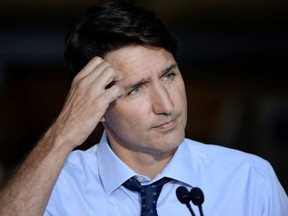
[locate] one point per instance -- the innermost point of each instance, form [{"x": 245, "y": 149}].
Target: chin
[{"x": 174, "y": 140}]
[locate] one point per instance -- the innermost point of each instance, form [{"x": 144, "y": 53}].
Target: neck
[
  {"x": 147, "y": 164},
  {"x": 144, "y": 163}
]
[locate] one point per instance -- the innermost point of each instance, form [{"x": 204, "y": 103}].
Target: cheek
[
  {"x": 183, "y": 92},
  {"x": 130, "y": 116},
  {"x": 178, "y": 95}
]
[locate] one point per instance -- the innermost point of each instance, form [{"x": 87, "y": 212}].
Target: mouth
[{"x": 167, "y": 126}]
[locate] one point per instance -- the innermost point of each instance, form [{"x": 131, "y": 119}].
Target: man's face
[{"x": 151, "y": 116}]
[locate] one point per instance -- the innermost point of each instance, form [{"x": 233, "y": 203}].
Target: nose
[{"x": 161, "y": 100}]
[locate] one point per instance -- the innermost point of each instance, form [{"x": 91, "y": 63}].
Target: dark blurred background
[{"x": 233, "y": 56}]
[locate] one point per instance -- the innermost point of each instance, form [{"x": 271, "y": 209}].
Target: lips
[{"x": 169, "y": 125}]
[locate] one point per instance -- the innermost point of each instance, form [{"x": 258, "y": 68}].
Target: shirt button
[{"x": 140, "y": 179}]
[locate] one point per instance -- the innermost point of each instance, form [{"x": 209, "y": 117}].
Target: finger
[
  {"x": 107, "y": 78},
  {"x": 112, "y": 93},
  {"x": 100, "y": 70},
  {"x": 89, "y": 67}
]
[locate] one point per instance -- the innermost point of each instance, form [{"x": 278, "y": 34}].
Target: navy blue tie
[{"x": 149, "y": 194}]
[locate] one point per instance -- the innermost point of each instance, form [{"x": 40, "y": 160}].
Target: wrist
[{"x": 56, "y": 139}]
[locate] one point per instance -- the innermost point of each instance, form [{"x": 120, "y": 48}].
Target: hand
[{"x": 92, "y": 90}]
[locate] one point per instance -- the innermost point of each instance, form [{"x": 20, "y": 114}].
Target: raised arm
[{"x": 28, "y": 191}]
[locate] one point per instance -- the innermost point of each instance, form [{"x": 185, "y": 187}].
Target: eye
[
  {"x": 135, "y": 91},
  {"x": 169, "y": 76}
]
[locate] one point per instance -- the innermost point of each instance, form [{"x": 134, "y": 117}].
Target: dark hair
[{"x": 111, "y": 26}]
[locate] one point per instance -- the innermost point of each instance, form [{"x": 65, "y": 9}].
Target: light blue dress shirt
[{"x": 234, "y": 184}]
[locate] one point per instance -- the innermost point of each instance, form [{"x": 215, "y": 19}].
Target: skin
[
  {"x": 146, "y": 125},
  {"x": 159, "y": 104},
  {"x": 28, "y": 191}
]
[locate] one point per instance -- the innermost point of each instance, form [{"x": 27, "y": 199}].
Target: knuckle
[
  {"x": 109, "y": 69},
  {"x": 97, "y": 106},
  {"x": 80, "y": 83},
  {"x": 116, "y": 91},
  {"x": 76, "y": 79}
]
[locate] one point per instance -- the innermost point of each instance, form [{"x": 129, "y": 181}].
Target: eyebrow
[
  {"x": 168, "y": 69},
  {"x": 146, "y": 80}
]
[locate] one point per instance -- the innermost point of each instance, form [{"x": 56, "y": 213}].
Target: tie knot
[{"x": 149, "y": 194}]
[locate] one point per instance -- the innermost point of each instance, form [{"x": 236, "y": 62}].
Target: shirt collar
[
  {"x": 180, "y": 167},
  {"x": 114, "y": 172}
]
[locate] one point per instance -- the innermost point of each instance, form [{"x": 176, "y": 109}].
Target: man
[{"x": 122, "y": 60}]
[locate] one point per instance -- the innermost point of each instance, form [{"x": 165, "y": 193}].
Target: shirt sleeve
[{"x": 275, "y": 200}]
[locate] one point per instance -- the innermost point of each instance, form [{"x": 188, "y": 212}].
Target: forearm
[{"x": 28, "y": 192}]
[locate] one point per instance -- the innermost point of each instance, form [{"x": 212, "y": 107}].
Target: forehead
[{"x": 139, "y": 61}]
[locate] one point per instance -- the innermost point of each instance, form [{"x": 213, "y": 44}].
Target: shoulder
[
  {"x": 249, "y": 176},
  {"x": 80, "y": 160},
  {"x": 78, "y": 154},
  {"x": 225, "y": 156},
  {"x": 79, "y": 167}
]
